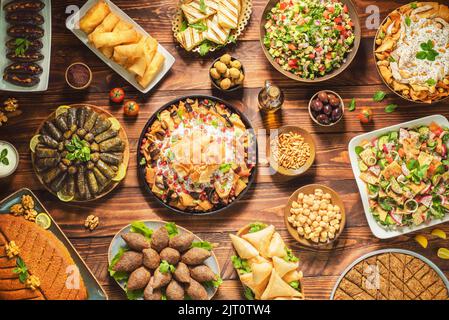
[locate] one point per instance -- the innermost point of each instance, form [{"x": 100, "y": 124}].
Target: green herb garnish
[
  {"x": 172, "y": 229},
  {"x": 205, "y": 47},
  {"x": 413, "y": 5},
  {"x": 118, "y": 276},
  {"x": 431, "y": 82},
  {"x": 427, "y": 51},
  {"x": 3, "y": 157},
  {"x": 352, "y": 105},
  {"x": 203, "y": 6},
  {"x": 241, "y": 265},
  {"x": 78, "y": 150},
  {"x": 294, "y": 285},
  {"x": 202, "y": 244},
  {"x": 21, "y": 270},
  {"x": 379, "y": 96},
  {"x": 359, "y": 150},
  {"x": 408, "y": 21},
  {"x": 200, "y": 26},
  {"x": 140, "y": 227},
  {"x": 225, "y": 167},
  {"x": 290, "y": 257},
  {"x": 143, "y": 161},
  {"x": 166, "y": 267},
  {"x": 249, "y": 295},
  {"x": 21, "y": 46},
  {"x": 213, "y": 283},
  {"x": 390, "y": 108},
  {"x": 257, "y": 226}
]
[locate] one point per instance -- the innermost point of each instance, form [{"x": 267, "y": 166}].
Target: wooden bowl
[
  {"x": 122, "y": 134},
  {"x": 231, "y": 89},
  {"x": 342, "y": 109},
  {"x": 310, "y": 189},
  {"x": 307, "y": 138},
  {"x": 349, "y": 57},
  {"x": 380, "y": 75}
]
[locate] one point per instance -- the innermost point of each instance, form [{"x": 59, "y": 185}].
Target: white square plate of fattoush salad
[{"x": 402, "y": 175}]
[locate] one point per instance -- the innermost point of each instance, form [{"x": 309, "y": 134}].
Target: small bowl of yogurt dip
[
  {"x": 9, "y": 159},
  {"x": 78, "y": 76}
]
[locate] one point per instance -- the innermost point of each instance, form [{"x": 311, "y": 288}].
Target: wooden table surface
[{"x": 267, "y": 197}]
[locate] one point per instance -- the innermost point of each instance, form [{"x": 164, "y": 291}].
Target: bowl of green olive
[{"x": 227, "y": 73}]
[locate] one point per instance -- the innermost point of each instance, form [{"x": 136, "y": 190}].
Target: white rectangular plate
[
  {"x": 73, "y": 25},
  {"x": 377, "y": 229},
  {"x": 46, "y": 51}
]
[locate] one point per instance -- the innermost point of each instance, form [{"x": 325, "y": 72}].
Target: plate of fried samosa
[{"x": 121, "y": 43}]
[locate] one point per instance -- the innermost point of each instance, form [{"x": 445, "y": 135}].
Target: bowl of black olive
[{"x": 326, "y": 108}]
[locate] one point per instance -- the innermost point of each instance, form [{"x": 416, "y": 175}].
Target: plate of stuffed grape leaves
[{"x": 80, "y": 153}]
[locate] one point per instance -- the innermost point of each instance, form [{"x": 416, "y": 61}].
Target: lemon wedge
[
  {"x": 115, "y": 124},
  {"x": 443, "y": 253},
  {"x": 439, "y": 233},
  {"x": 422, "y": 240},
  {"x": 62, "y": 109},
  {"x": 33, "y": 142},
  {"x": 121, "y": 173},
  {"x": 63, "y": 197},
  {"x": 43, "y": 220}
]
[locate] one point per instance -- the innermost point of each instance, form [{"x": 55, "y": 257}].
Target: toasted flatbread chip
[
  {"x": 282, "y": 267},
  {"x": 190, "y": 38},
  {"x": 244, "y": 249},
  {"x": 278, "y": 288},
  {"x": 260, "y": 239},
  {"x": 228, "y": 13},
  {"x": 194, "y": 13},
  {"x": 215, "y": 32}
]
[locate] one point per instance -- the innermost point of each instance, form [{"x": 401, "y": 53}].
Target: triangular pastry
[
  {"x": 293, "y": 275},
  {"x": 282, "y": 267},
  {"x": 260, "y": 239},
  {"x": 244, "y": 249},
  {"x": 258, "y": 290},
  {"x": 276, "y": 247},
  {"x": 261, "y": 272},
  {"x": 279, "y": 288}
]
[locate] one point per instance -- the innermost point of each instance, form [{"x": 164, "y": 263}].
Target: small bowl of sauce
[
  {"x": 9, "y": 159},
  {"x": 78, "y": 76}
]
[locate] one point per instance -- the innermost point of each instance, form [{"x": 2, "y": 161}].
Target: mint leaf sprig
[
  {"x": 428, "y": 52},
  {"x": 3, "y": 157},
  {"x": 78, "y": 150}
]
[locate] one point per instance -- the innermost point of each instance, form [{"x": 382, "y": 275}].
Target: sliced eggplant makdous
[
  {"x": 33, "y": 44},
  {"x": 22, "y": 80},
  {"x": 28, "y": 56},
  {"x": 64, "y": 172},
  {"x": 25, "y": 31},
  {"x": 23, "y": 6},
  {"x": 29, "y": 68},
  {"x": 25, "y": 18}
]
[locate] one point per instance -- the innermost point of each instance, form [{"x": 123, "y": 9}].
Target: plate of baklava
[
  {"x": 121, "y": 43},
  {"x": 206, "y": 25}
]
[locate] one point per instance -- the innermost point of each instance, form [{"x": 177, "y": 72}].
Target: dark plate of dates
[
  {"x": 142, "y": 165},
  {"x": 326, "y": 108}
]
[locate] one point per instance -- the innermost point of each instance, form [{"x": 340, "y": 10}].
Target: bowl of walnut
[{"x": 315, "y": 215}]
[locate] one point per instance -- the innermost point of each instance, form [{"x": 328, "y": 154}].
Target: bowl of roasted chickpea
[
  {"x": 227, "y": 73},
  {"x": 315, "y": 215}
]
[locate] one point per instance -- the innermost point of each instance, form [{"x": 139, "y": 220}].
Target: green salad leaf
[
  {"x": 241, "y": 265},
  {"x": 172, "y": 229},
  {"x": 256, "y": 226},
  {"x": 140, "y": 227},
  {"x": 352, "y": 105},
  {"x": 379, "y": 96},
  {"x": 290, "y": 257},
  {"x": 166, "y": 267},
  {"x": 214, "y": 283},
  {"x": 202, "y": 244}
]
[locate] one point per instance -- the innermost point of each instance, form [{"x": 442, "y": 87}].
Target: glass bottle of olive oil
[{"x": 271, "y": 98}]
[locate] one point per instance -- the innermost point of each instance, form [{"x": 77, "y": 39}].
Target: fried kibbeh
[
  {"x": 195, "y": 256},
  {"x": 182, "y": 273},
  {"x": 174, "y": 291},
  {"x": 156, "y": 272},
  {"x": 196, "y": 291},
  {"x": 202, "y": 273},
  {"x": 138, "y": 279},
  {"x": 129, "y": 262},
  {"x": 161, "y": 279},
  {"x": 170, "y": 255},
  {"x": 136, "y": 241},
  {"x": 182, "y": 242},
  {"x": 151, "y": 258},
  {"x": 160, "y": 239}
]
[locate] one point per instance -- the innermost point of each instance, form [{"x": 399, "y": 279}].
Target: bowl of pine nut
[{"x": 292, "y": 151}]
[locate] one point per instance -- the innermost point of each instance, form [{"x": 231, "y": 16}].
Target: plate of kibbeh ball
[{"x": 157, "y": 260}]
